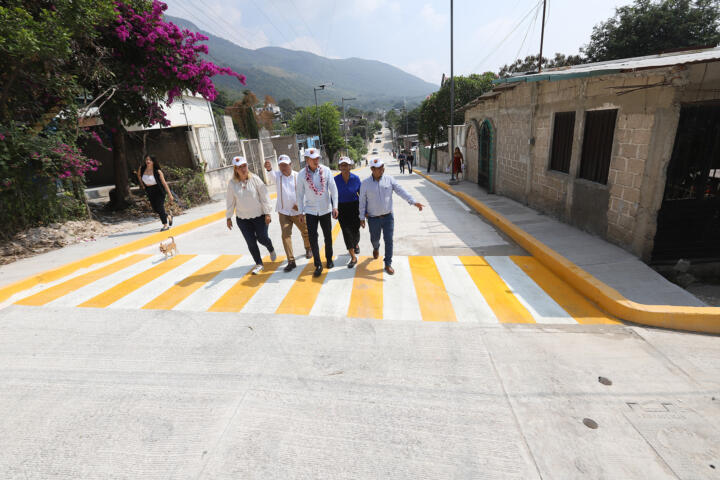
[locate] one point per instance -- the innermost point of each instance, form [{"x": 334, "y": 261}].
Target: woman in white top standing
[
  {"x": 153, "y": 182},
  {"x": 248, "y": 199}
]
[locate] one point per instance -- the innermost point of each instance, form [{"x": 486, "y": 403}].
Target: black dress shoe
[
  {"x": 318, "y": 271},
  {"x": 352, "y": 263},
  {"x": 290, "y": 267},
  {"x": 357, "y": 250},
  {"x": 330, "y": 264}
]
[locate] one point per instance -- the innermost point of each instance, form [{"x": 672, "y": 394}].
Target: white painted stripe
[
  {"x": 154, "y": 288},
  {"x": 400, "y": 300},
  {"x": 204, "y": 297},
  {"x": 95, "y": 288},
  {"x": 334, "y": 296},
  {"x": 466, "y": 299},
  {"x": 42, "y": 286},
  {"x": 271, "y": 294},
  {"x": 543, "y": 308}
]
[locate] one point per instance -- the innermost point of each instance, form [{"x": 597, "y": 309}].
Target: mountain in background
[{"x": 292, "y": 74}]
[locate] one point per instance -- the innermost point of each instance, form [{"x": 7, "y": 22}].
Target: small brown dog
[{"x": 168, "y": 247}]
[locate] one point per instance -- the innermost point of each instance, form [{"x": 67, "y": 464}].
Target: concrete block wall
[{"x": 472, "y": 154}]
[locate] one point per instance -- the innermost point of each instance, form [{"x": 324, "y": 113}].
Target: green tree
[
  {"x": 648, "y": 27},
  {"x": 287, "y": 108},
  {"x": 431, "y": 124},
  {"x": 243, "y": 114},
  {"x": 305, "y": 122},
  {"x": 530, "y": 64}
]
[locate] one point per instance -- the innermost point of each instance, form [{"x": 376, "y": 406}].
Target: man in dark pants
[
  {"x": 376, "y": 205},
  {"x": 409, "y": 159},
  {"x": 317, "y": 199}
]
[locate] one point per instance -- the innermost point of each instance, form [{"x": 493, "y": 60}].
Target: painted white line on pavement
[
  {"x": 334, "y": 296},
  {"x": 466, "y": 299},
  {"x": 400, "y": 300},
  {"x": 156, "y": 287},
  {"x": 543, "y": 308},
  {"x": 457, "y": 200},
  {"x": 205, "y": 296},
  {"x": 271, "y": 293},
  {"x": 87, "y": 292}
]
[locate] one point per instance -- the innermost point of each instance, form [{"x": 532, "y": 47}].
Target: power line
[
  {"x": 270, "y": 20},
  {"x": 307, "y": 27},
  {"x": 530, "y": 27}
]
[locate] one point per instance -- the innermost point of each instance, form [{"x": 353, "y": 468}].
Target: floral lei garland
[{"x": 309, "y": 180}]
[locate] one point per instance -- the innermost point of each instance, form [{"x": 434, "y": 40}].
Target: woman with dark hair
[
  {"x": 153, "y": 182},
  {"x": 457, "y": 162}
]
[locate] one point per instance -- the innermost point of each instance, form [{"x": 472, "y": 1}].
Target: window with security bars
[
  {"x": 597, "y": 145},
  {"x": 562, "y": 141}
]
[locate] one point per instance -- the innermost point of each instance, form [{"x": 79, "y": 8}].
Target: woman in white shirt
[
  {"x": 248, "y": 199},
  {"x": 153, "y": 182}
]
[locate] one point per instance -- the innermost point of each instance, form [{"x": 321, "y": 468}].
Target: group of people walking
[
  {"x": 406, "y": 159},
  {"x": 310, "y": 198}
]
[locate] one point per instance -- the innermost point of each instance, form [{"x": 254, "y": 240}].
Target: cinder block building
[{"x": 627, "y": 149}]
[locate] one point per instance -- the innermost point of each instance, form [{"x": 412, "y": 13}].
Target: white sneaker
[
  {"x": 273, "y": 256},
  {"x": 257, "y": 269}
]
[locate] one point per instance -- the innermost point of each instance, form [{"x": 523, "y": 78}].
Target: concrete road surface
[{"x": 472, "y": 361}]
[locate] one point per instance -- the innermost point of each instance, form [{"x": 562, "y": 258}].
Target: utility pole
[
  {"x": 542, "y": 37},
  {"x": 342, "y": 101},
  {"x": 451, "y": 152},
  {"x": 317, "y": 111}
]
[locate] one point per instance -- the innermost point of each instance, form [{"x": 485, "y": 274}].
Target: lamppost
[
  {"x": 451, "y": 144},
  {"x": 317, "y": 110},
  {"x": 342, "y": 101}
]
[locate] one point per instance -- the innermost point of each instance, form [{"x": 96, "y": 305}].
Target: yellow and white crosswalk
[{"x": 504, "y": 289}]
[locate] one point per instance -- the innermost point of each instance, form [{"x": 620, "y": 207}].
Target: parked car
[
  {"x": 375, "y": 151},
  {"x": 377, "y": 140}
]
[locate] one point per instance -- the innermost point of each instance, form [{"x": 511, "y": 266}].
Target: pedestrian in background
[
  {"x": 152, "y": 180},
  {"x": 376, "y": 205},
  {"x": 401, "y": 157},
  {"x": 285, "y": 180},
  {"x": 317, "y": 200},
  {"x": 248, "y": 199},
  {"x": 457, "y": 162},
  {"x": 409, "y": 159},
  {"x": 348, "y": 187}
]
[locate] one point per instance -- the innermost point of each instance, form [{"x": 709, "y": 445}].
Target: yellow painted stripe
[
  {"x": 335, "y": 231},
  {"x": 366, "y": 300},
  {"x": 107, "y": 255},
  {"x": 239, "y": 294},
  {"x": 567, "y": 297},
  {"x": 302, "y": 295},
  {"x": 117, "y": 292},
  {"x": 53, "y": 293},
  {"x": 498, "y": 295},
  {"x": 184, "y": 288},
  {"x": 435, "y": 305}
]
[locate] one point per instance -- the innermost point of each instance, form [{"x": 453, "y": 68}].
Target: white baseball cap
[
  {"x": 347, "y": 160},
  {"x": 284, "y": 159},
  {"x": 376, "y": 162},
  {"x": 239, "y": 161},
  {"x": 312, "y": 153}
]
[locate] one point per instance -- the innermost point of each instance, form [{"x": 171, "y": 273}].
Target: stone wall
[
  {"x": 472, "y": 152},
  {"x": 625, "y": 209}
]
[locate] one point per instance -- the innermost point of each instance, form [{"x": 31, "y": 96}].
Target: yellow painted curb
[
  {"x": 57, "y": 273},
  {"x": 693, "y": 319}
]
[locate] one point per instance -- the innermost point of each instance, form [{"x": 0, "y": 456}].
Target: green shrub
[{"x": 188, "y": 184}]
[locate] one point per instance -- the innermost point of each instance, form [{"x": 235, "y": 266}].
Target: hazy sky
[{"x": 413, "y": 35}]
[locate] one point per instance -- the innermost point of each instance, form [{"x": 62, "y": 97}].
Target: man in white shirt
[
  {"x": 285, "y": 180},
  {"x": 317, "y": 198}
]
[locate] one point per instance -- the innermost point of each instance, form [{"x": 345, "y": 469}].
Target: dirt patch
[{"x": 35, "y": 241}]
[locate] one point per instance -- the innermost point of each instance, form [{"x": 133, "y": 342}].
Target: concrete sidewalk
[{"x": 608, "y": 263}]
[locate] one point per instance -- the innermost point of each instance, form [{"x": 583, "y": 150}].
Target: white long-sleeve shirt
[
  {"x": 319, "y": 203},
  {"x": 286, "y": 192},
  {"x": 248, "y": 199}
]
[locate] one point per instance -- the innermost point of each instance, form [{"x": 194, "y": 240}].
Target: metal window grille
[
  {"x": 562, "y": 141},
  {"x": 597, "y": 145}
]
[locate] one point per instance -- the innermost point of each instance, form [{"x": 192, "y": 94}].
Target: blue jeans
[
  {"x": 255, "y": 231},
  {"x": 386, "y": 225}
]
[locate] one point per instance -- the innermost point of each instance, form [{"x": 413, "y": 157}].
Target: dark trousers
[
  {"x": 255, "y": 231},
  {"x": 409, "y": 165},
  {"x": 156, "y": 195},
  {"x": 349, "y": 218},
  {"x": 402, "y": 166},
  {"x": 386, "y": 226},
  {"x": 312, "y": 225}
]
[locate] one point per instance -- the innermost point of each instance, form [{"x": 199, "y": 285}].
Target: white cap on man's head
[
  {"x": 312, "y": 153},
  {"x": 376, "y": 162},
  {"x": 284, "y": 159},
  {"x": 238, "y": 161},
  {"x": 347, "y": 160}
]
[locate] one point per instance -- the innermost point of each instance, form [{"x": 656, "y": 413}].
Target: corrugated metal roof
[{"x": 617, "y": 66}]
